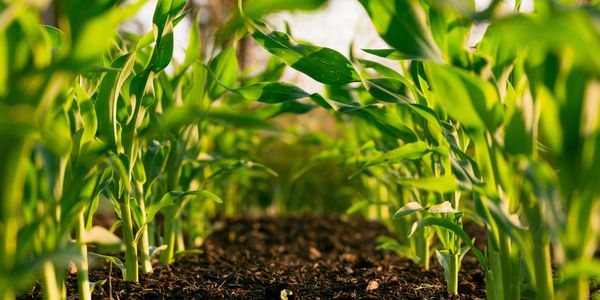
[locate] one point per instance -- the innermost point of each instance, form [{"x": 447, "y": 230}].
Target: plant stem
[
  {"x": 166, "y": 257},
  {"x": 490, "y": 286},
  {"x": 495, "y": 267},
  {"x": 453, "y": 267},
  {"x": 543, "y": 272},
  {"x": 83, "y": 283},
  {"x": 51, "y": 290},
  {"x": 422, "y": 247},
  {"x": 131, "y": 259},
  {"x": 144, "y": 250},
  {"x": 13, "y": 162}
]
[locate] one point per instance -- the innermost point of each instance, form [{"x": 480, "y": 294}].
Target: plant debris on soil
[{"x": 303, "y": 257}]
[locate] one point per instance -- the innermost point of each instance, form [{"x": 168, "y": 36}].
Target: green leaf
[
  {"x": 114, "y": 260},
  {"x": 57, "y": 37},
  {"x": 88, "y": 115},
  {"x": 518, "y": 139},
  {"x": 390, "y": 54},
  {"x": 321, "y": 64},
  {"x": 202, "y": 194},
  {"x": 402, "y": 24},
  {"x": 258, "y": 8},
  {"x": 454, "y": 228},
  {"x": 224, "y": 68},
  {"x": 408, "y": 209},
  {"x": 108, "y": 94},
  {"x": 272, "y": 92},
  {"x": 193, "y": 51},
  {"x": 358, "y": 206},
  {"x": 467, "y": 98},
  {"x": 572, "y": 271},
  {"x": 388, "y": 90},
  {"x": 101, "y": 236},
  {"x": 412, "y": 151},
  {"x": 164, "y": 50},
  {"x": 179, "y": 116},
  {"x": 444, "y": 184}
]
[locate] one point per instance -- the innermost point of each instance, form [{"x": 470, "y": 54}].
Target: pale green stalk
[{"x": 83, "y": 283}]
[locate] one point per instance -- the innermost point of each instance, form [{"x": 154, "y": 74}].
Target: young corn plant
[
  {"x": 479, "y": 102},
  {"x": 47, "y": 175}
]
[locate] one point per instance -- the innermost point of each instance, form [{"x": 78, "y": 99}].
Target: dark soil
[{"x": 311, "y": 257}]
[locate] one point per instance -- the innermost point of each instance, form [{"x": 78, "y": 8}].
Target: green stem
[
  {"x": 543, "y": 272},
  {"x": 83, "y": 283},
  {"x": 422, "y": 247},
  {"x": 179, "y": 240},
  {"x": 144, "y": 243},
  {"x": 506, "y": 265},
  {"x": 51, "y": 291},
  {"x": 495, "y": 267},
  {"x": 452, "y": 272},
  {"x": 166, "y": 257},
  {"x": 131, "y": 259},
  {"x": 13, "y": 162},
  {"x": 490, "y": 286}
]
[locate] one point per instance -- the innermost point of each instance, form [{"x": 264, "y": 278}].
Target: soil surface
[{"x": 308, "y": 257}]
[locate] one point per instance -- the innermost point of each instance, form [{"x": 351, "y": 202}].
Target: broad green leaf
[
  {"x": 578, "y": 34},
  {"x": 115, "y": 260},
  {"x": 139, "y": 173},
  {"x": 92, "y": 27},
  {"x": 450, "y": 23},
  {"x": 168, "y": 199},
  {"x": 293, "y": 107},
  {"x": 358, "y": 207},
  {"x": 408, "y": 209},
  {"x": 501, "y": 55},
  {"x": 106, "y": 100},
  {"x": 518, "y": 138},
  {"x": 322, "y": 64},
  {"x": 444, "y": 184},
  {"x": 164, "y": 50},
  {"x": 402, "y": 24},
  {"x": 224, "y": 68},
  {"x": 88, "y": 115},
  {"x": 198, "y": 194},
  {"x": 573, "y": 271},
  {"x": 390, "y": 54},
  {"x": 411, "y": 151},
  {"x": 386, "y": 120},
  {"x": 272, "y": 92},
  {"x": 432, "y": 120},
  {"x": 193, "y": 51},
  {"x": 120, "y": 165},
  {"x": 454, "y": 228},
  {"x": 21, "y": 274},
  {"x": 57, "y": 37},
  {"x": 202, "y": 194},
  {"x": 467, "y": 98},
  {"x": 179, "y": 116},
  {"x": 388, "y": 90},
  {"x": 101, "y": 236},
  {"x": 56, "y": 135},
  {"x": 145, "y": 40},
  {"x": 256, "y": 9}
]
